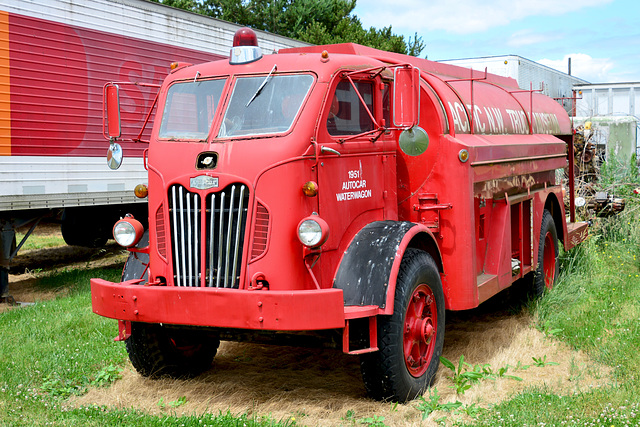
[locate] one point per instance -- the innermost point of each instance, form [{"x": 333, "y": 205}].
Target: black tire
[
  {"x": 410, "y": 341},
  {"x": 547, "y": 269},
  {"x": 156, "y": 351}
]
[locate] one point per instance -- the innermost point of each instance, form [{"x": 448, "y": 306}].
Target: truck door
[{"x": 355, "y": 157}]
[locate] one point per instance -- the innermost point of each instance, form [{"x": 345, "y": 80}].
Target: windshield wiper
[{"x": 264, "y": 83}]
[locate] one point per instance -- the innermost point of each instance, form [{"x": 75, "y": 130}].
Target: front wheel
[
  {"x": 157, "y": 351},
  {"x": 410, "y": 341}
]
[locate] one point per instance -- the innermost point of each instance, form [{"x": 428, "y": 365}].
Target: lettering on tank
[{"x": 495, "y": 120}]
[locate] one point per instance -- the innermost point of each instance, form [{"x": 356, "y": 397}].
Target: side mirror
[
  {"x": 406, "y": 96},
  {"x": 114, "y": 156},
  {"x": 111, "y": 121},
  {"x": 111, "y": 125}
]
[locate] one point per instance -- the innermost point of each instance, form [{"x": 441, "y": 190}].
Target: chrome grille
[
  {"x": 184, "y": 210},
  {"x": 225, "y": 220}
]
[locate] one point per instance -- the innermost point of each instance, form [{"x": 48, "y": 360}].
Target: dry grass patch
[{"x": 319, "y": 387}]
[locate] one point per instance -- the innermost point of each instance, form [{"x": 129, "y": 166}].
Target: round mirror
[
  {"x": 114, "y": 156},
  {"x": 414, "y": 141}
]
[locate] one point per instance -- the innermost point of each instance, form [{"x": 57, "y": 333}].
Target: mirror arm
[{"x": 146, "y": 120}]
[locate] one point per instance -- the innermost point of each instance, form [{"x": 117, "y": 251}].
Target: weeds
[
  {"x": 375, "y": 421},
  {"x": 541, "y": 362},
  {"x": 433, "y": 404},
  {"x": 465, "y": 375},
  {"x": 462, "y": 378},
  {"x": 173, "y": 404},
  {"x": 63, "y": 388},
  {"x": 107, "y": 376}
]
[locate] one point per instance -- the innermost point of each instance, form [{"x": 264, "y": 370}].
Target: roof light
[{"x": 245, "y": 47}]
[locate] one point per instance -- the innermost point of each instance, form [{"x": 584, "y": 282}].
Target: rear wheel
[
  {"x": 547, "y": 270},
  {"x": 157, "y": 351},
  {"x": 410, "y": 340}
]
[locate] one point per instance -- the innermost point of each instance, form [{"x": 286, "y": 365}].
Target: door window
[{"x": 348, "y": 115}]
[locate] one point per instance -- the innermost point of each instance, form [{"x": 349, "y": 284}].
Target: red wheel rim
[
  {"x": 187, "y": 350},
  {"x": 549, "y": 261},
  {"x": 420, "y": 326}
]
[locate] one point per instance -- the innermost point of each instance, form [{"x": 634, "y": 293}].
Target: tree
[{"x": 312, "y": 21}]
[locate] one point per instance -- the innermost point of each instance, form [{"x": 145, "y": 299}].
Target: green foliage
[
  {"x": 618, "y": 177},
  {"x": 462, "y": 377},
  {"x": 173, "y": 404},
  {"x": 63, "y": 387},
  {"x": 541, "y": 362},
  {"x": 107, "y": 376},
  {"x": 433, "y": 404},
  {"x": 312, "y": 21},
  {"x": 349, "y": 416},
  {"x": 375, "y": 421}
]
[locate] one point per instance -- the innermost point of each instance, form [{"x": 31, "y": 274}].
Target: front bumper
[{"x": 220, "y": 307}]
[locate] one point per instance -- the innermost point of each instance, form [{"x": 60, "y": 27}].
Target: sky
[{"x": 602, "y": 37}]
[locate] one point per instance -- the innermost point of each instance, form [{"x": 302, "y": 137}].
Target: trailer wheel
[
  {"x": 410, "y": 340},
  {"x": 547, "y": 270},
  {"x": 156, "y": 351}
]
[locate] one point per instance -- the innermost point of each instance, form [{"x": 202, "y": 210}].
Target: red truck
[{"x": 338, "y": 194}]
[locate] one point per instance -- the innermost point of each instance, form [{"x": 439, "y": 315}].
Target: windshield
[
  {"x": 265, "y": 104},
  {"x": 189, "y": 109}
]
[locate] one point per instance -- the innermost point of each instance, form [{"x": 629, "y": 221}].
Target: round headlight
[
  {"x": 313, "y": 231},
  {"x": 128, "y": 231}
]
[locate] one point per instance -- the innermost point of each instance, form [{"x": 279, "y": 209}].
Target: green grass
[
  {"x": 595, "y": 307},
  {"x": 36, "y": 241},
  {"x": 59, "y": 348}
]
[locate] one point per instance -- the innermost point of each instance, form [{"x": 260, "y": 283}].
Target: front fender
[{"x": 369, "y": 267}]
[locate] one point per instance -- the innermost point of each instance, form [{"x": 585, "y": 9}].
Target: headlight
[
  {"x": 128, "y": 231},
  {"x": 313, "y": 231}
]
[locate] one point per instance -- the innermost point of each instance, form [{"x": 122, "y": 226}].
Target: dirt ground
[
  {"x": 26, "y": 266},
  {"x": 324, "y": 387}
]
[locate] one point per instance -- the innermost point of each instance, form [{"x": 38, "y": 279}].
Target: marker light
[
  {"x": 313, "y": 231},
  {"x": 141, "y": 191},
  {"x": 128, "y": 231},
  {"x": 245, "y": 47},
  {"x": 310, "y": 189},
  {"x": 175, "y": 66}
]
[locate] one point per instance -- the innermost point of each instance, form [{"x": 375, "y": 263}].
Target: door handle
[{"x": 324, "y": 149}]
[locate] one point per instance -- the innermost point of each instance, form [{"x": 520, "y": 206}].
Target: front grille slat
[
  {"x": 212, "y": 211},
  {"x": 220, "y": 234},
  {"x": 182, "y": 239},
  {"x": 175, "y": 232},
  {"x": 238, "y": 228},
  {"x": 229, "y": 233},
  {"x": 223, "y": 215},
  {"x": 189, "y": 248}
]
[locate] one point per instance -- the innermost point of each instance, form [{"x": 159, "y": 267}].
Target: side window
[
  {"x": 347, "y": 115},
  {"x": 386, "y": 105}
]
